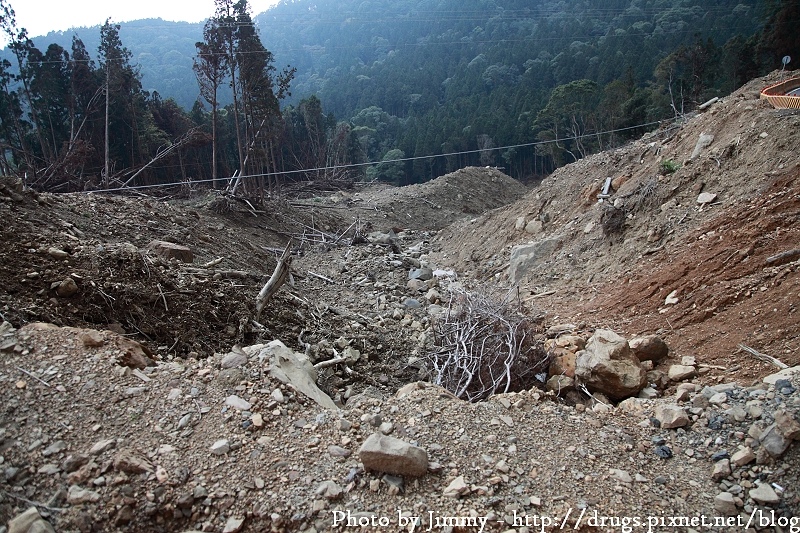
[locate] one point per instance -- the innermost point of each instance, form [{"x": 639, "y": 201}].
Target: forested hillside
[
  {"x": 162, "y": 50},
  {"x": 452, "y": 76},
  {"x": 527, "y": 86}
]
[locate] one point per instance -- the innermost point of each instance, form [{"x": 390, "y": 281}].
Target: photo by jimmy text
[
  {"x": 405, "y": 521},
  {"x": 434, "y": 521}
]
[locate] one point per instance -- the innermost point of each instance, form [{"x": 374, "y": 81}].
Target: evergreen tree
[
  {"x": 12, "y": 134},
  {"x": 210, "y": 67},
  {"x": 50, "y": 76},
  {"x": 227, "y": 15},
  {"x": 86, "y": 95},
  {"x": 123, "y": 100},
  {"x": 23, "y": 49}
]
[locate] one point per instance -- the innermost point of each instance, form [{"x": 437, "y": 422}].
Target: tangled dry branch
[
  {"x": 485, "y": 345},
  {"x": 647, "y": 195}
]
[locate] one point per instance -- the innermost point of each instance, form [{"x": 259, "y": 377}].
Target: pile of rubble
[{"x": 244, "y": 441}]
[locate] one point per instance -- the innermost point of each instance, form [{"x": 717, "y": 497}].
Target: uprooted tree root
[{"x": 486, "y": 345}]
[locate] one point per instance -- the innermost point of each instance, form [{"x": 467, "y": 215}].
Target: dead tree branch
[
  {"x": 485, "y": 345},
  {"x": 163, "y": 152},
  {"x": 763, "y": 357},
  {"x": 278, "y": 278}
]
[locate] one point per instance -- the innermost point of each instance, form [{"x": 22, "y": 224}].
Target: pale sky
[{"x": 42, "y": 16}]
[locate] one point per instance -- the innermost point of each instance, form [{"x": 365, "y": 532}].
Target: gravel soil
[{"x": 139, "y": 393}]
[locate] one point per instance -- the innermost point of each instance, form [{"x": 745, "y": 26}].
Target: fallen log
[
  {"x": 278, "y": 278},
  {"x": 783, "y": 257},
  {"x": 764, "y": 357}
]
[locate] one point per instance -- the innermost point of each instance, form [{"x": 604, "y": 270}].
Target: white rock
[
  {"x": 101, "y": 446},
  {"x": 672, "y": 298},
  {"x": 221, "y": 447},
  {"x": 706, "y": 198},
  {"x": 393, "y": 456},
  {"x": 457, "y": 487},
  {"x": 330, "y": 490},
  {"x": 534, "y": 226},
  {"x": 671, "y": 416},
  {"x": 681, "y": 372},
  {"x": 703, "y": 142},
  {"x": 23, "y": 521},
  {"x": 237, "y": 403},
  {"x": 78, "y": 495},
  {"x": 233, "y": 525},
  {"x": 718, "y": 398},
  {"x": 764, "y": 494},
  {"x": 234, "y": 359},
  {"x": 648, "y": 393},
  {"x": 621, "y": 475},
  {"x": 786, "y": 373},
  {"x": 743, "y": 457},
  {"x": 725, "y": 504}
]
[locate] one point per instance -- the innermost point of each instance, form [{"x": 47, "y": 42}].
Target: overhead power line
[{"x": 370, "y": 163}]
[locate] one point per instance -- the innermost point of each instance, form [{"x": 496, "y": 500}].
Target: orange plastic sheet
[{"x": 783, "y": 95}]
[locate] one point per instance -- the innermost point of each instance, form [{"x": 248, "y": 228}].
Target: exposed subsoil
[{"x": 719, "y": 257}]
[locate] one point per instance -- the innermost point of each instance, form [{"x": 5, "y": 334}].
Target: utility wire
[{"x": 370, "y": 163}]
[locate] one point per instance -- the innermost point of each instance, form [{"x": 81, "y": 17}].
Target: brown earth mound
[
  {"x": 467, "y": 192},
  {"x": 101, "y": 246}
]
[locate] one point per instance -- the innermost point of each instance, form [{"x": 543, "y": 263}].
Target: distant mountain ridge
[
  {"x": 164, "y": 51},
  {"x": 415, "y": 46},
  {"x": 430, "y": 86}
]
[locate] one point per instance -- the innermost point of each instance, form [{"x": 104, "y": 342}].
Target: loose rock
[
  {"x": 393, "y": 456},
  {"x": 671, "y": 416},
  {"x": 609, "y": 366}
]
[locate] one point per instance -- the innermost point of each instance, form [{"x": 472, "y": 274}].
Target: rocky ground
[
  {"x": 142, "y": 395},
  {"x": 731, "y": 260}
]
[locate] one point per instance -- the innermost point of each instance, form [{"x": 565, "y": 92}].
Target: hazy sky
[{"x": 42, "y": 16}]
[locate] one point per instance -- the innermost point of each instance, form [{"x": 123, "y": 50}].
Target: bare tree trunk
[
  {"x": 278, "y": 278},
  {"x": 106, "y": 170},
  {"x": 215, "y": 182},
  {"x": 239, "y": 144}
]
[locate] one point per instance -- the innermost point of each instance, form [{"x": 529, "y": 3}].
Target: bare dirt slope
[
  {"x": 207, "y": 438},
  {"x": 428, "y": 206},
  {"x": 616, "y": 267}
]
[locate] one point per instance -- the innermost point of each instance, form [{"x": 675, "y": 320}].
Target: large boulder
[
  {"x": 649, "y": 348},
  {"x": 527, "y": 256},
  {"x": 393, "y": 456},
  {"x": 609, "y": 366}
]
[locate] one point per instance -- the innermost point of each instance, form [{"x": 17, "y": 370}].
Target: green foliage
[
  {"x": 426, "y": 78},
  {"x": 389, "y": 169},
  {"x": 569, "y": 119},
  {"x": 668, "y": 166}
]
